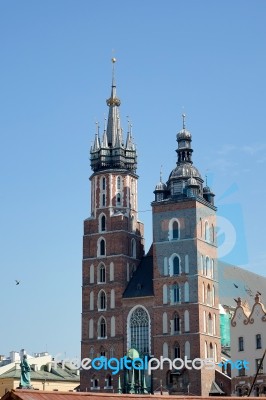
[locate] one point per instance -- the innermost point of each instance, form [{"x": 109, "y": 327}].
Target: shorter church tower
[{"x": 185, "y": 281}]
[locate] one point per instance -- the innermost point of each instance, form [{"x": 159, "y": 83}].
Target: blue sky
[{"x": 204, "y": 58}]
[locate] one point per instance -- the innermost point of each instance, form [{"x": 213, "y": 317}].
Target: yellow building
[{"x": 45, "y": 377}]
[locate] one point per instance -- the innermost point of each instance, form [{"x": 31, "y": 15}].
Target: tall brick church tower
[{"x": 164, "y": 303}]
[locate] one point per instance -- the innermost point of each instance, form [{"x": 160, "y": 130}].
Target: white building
[{"x": 248, "y": 344}]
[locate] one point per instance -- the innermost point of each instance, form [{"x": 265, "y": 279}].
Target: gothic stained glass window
[{"x": 139, "y": 330}]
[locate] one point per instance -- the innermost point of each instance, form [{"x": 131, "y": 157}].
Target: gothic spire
[
  {"x": 111, "y": 152},
  {"x": 113, "y": 125}
]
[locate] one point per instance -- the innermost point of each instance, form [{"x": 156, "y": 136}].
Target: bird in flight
[{"x": 17, "y": 282}]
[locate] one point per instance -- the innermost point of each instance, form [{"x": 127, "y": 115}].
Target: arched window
[
  {"x": 176, "y": 267},
  {"x": 209, "y": 295},
  {"x": 103, "y": 183},
  {"x": 102, "y": 247},
  {"x": 211, "y": 350},
  {"x": 94, "y": 382},
  {"x": 118, "y": 199},
  {"x": 175, "y": 294},
  {"x": 102, "y": 328},
  {"x": 177, "y": 352},
  {"x": 108, "y": 382},
  {"x": 175, "y": 230},
  {"x": 101, "y": 274},
  {"x": 102, "y": 300},
  {"x": 139, "y": 325},
  {"x": 200, "y": 224},
  {"x": 210, "y": 325},
  {"x": 176, "y": 323},
  {"x": 103, "y": 223},
  {"x": 213, "y": 234}
]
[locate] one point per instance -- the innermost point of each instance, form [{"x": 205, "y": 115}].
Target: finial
[
  {"x": 161, "y": 173},
  {"x": 105, "y": 123},
  {"x": 184, "y": 121},
  {"x": 206, "y": 179},
  {"x": 97, "y": 127},
  {"x": 113, "y": 72}
]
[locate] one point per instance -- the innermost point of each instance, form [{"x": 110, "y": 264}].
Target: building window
[
  {"x": 174, "y": 230},
  {"x": 103, "y": 200},
  {"x": 118, "y": 199},
  {"x": 258, "y": 341},
  {"x": 103, "y": 223},
  {"x": 95, "y": 383},
  {"x": 102, "y": 328},
  {"x": 102, "y": 247},
  {"x": 101, "y": 274},
  {"x": 140, "y": 330},
  {"x": 176, "y": 323},
  {"x": 102, "y": 300},
  {"x": 177, "y": 352},
  {"x": 209, "y": 295},
  {"x": 103, "y": 184},
  {"x": 108, "y": 382},
  {"x": 176, "y": 266},
  {"x": 175, "y": 294},
  {"x": 210, "y": 324},
  {"x": 259, "y": 365},
  {"x": 241, "y": 343}
]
